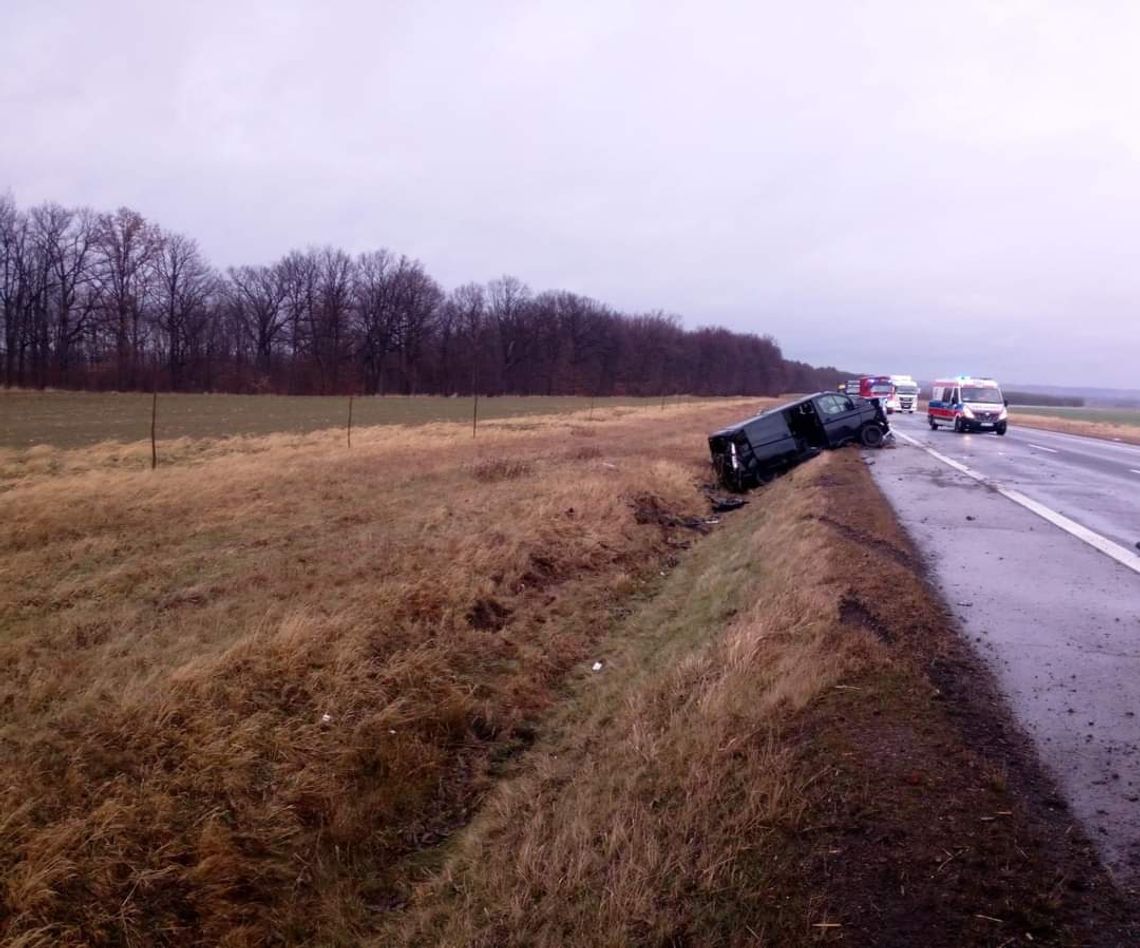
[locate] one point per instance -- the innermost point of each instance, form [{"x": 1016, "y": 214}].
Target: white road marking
[
  {"x": 1133, "y": 470},
  {"x": 1124, "y": 557},
  {"x": 1041, "y": 447}
]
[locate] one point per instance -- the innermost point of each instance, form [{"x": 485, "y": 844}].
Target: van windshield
[{"x": 987, "y": 396}]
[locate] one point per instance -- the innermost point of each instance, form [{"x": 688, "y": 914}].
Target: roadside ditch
[{"x": 788, "y": 744}]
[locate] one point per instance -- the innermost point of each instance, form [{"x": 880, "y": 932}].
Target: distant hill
[
  {"x": 1107, "y": 397},
  {"x": 1063, "y": 394}
]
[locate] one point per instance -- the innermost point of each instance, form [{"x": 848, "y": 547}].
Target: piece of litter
[
  {"x": 390, "y": 731},
  {"x": 612, "y": 467},
  {"x": 597, "y": 666},
  {"x": 326, "y": 718}
]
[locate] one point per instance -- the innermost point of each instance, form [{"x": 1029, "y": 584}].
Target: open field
[
  {"x": 1105, "y": 416},
  {"x": 77, "y": 419},
  {"x": 1112, "y": 424},
  {"x": 297, "y": 693}
]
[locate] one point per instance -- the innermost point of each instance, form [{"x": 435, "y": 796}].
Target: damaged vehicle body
[{"x": 752, "y": 452}]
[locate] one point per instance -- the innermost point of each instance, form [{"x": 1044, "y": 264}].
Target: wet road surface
[
  {"x": 1055, "y": 618},
  {"x": 1096, "y": 483}
]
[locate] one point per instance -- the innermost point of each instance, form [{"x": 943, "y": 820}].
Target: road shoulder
[{"x": 1054, "y": 619}]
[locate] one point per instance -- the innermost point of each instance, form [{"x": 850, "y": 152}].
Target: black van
[{"x": 754, "y": 451}]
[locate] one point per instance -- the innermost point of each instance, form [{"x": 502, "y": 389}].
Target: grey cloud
[{"x": 959, "y": 177}]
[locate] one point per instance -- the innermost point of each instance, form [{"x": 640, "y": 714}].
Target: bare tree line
[{"x": 113, "y": 301}]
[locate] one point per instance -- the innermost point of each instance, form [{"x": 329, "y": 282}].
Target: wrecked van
[{"x": 752, "y": 452}]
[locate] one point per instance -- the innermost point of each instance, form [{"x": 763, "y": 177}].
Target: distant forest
[
  {"x": 1040, "y": 398},
  {"x": 112, "y": 301}
]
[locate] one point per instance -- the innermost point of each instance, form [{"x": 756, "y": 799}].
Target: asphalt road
[
  {"x": 1055, "y": 616},
  {"x": 1096, "y": 483}
]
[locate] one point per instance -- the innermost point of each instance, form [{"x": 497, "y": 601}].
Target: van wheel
[
  {"x": 958, "y": 424},
  {"x": 871, "y": 436},
  {"x": 933, "y": 423},
  {"x": 1000, "y": 429}
]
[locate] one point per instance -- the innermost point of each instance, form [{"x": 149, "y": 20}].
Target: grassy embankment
[
  {"x": 1110, "y": 424},
  {"x": 299, "y": 692}
]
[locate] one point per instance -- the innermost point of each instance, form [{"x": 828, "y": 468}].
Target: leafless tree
[
  {"x": 418, "y": 300},
  {"x": 128, "y": 245},
  {"x": 375, "y": 314},
  {"x": 89, "y": 299},
  {"x": 300, "y": 278},
  {"x": 16, "y": 288},
  {"x": 509, "y": 299},
  {"x": 182, "y": 289},
  {"x": 67, "y": 238},
  {"x": 329, "y": 323},
  {"x": 258, "y": 296}
]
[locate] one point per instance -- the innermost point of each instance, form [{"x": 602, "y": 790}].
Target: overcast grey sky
[{"x": 890, "y": 185}]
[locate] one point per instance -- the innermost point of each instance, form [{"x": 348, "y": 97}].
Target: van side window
[{"x": 833, "y": 404}]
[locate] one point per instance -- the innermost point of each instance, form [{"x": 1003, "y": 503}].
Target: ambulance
[
  {"x": 905, "y": 396},
  {"x": 968, "y": 404}
]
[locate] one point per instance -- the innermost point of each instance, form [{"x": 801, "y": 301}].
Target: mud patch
[
  {"x": 649, "y": 508},
  {"x": 488, "y": 615},
  {"x": 866, "y": 539},
  {"x": 501, "y": 469},
  {"x": 853, "y": 613}
]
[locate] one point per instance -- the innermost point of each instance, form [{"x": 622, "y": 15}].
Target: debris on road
[{"x": 754, "y": 451}]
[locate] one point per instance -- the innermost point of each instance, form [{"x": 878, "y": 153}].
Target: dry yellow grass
[
  {"x": 239, "y": 691},
  {"x": 673, "y": 770},
  {"x": 285, "y": 692},
  {"x": 763, "y": 760},
  {"x": 1128, "y": 434}
]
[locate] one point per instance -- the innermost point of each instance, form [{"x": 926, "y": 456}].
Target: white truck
[{"x": 904, "y": 398}]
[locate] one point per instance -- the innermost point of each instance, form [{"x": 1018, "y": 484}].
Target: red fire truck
[{"x": 873, "y": 386}]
